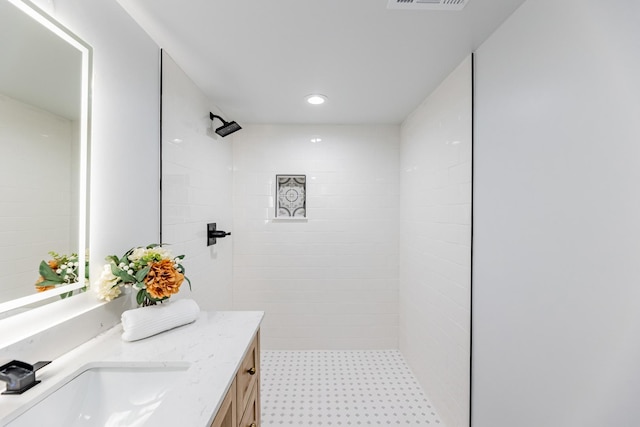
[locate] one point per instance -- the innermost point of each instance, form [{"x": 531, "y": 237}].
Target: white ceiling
[{"x": 258, "y": 59}]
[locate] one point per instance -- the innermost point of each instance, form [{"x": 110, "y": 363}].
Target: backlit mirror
[{"x": 44, "y": 130}]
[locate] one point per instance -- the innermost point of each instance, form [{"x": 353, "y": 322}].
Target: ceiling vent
[{"x": 427, "y": 4}]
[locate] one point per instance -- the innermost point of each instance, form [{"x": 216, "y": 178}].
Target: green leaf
[
  {"x": 153, "y": 245},
  {"x": 125, "y": 257},
  {"x": 180, "y": 257},
  {"x": 122, "y": 275},
  {"x": 54, "y": 254},
  {"x": 188, "y": 281},
  {"x": 141, "y": 274},
  {"x": 114, "y": 259},
  {"x": 47, "y": 283},
  {"x": 48, "y": 274},
  {"x": 140, "y": 296}
]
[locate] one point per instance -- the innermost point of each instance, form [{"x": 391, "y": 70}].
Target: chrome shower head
[{"x": 227, "y": 128}]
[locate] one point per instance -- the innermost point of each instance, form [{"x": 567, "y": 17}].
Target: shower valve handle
[
  {"x": 213, "y": 233},
  {"x": 219, "y": 234}
]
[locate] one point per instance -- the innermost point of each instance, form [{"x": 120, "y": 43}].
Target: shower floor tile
[{"x": 341, "y": 388}]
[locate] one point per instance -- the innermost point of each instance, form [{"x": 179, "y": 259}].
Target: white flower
[
  {"x": 58, "y": 271},
  {"x": 106, "y": 285},
  {"x": 137, "y": 254},
  {"x": 164, "y": 253},
  {"x": 129, "y": 271}
]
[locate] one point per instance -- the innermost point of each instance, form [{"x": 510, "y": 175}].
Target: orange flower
[
  {"x": 163, "y": 280},
  {"x": 42, "y": 288},
  {"x": 53, "y": 264}
]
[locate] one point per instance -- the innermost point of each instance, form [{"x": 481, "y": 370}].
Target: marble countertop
[{"x": 213, "y": 346}]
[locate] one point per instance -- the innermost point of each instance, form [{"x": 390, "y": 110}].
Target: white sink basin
[{"x": 105, "y": 394}]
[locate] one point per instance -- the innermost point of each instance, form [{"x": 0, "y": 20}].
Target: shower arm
[{"x": 213, "y": 116}]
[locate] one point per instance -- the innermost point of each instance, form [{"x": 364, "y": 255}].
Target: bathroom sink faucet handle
[{"x": 19, "y": 376}]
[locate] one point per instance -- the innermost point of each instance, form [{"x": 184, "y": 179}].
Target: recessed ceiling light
[{"x": 316, "y": 99}]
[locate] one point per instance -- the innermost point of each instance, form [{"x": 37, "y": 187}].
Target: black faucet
[{"x": 19, "y": 376}]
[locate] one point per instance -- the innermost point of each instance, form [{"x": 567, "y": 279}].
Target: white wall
[
  {"x": 197, "y": 183},
  {"x": 435, "y": 244},
  {"x": 35, "y": 189},
  {"x": 124, "y": 163},
  {"x": 329, "y": 282},
  {"x": 556, "y": 218},
  {"x": 125, "y": 127}
]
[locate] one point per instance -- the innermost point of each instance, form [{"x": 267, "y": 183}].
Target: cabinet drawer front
[
  {"x": 250, "y": 418},
  {"x": 248, "y": 374}
]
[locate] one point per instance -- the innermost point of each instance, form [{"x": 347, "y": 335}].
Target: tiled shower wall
[
  {"x": 331, "y": 281},
  {"x": 196, "y": 188},
  {"x": 435, "y": 244}
]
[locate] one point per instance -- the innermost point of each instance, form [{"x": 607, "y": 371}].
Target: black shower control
[{"x": 213, "y": 234}]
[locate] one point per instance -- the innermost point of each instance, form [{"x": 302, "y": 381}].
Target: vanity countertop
[{"x": 213, "y": 345}]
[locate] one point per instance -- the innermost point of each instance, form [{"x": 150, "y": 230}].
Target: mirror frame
[{"x": 59, "y": 30}]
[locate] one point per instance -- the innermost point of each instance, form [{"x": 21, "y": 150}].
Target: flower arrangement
[
  {"x": 59, "y": 270},
  {"x": 151, "y": 270}
]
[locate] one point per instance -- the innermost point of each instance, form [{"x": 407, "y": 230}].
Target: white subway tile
[
  {"x": 435, "y": 206},
  {"x": 342, "y": 261},
  {"x": 197, "y": 189}
]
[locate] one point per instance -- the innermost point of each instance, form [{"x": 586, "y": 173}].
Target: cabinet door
[
  {"x": 250, "y": 417},
  {"x": 226, "y": 416},
  {"x": 248, "y": 375}
]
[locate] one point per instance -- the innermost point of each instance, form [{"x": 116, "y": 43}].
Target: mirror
[{"x": 44, "y": 132}]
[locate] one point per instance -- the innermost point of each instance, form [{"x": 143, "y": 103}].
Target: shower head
[{"x": 227, "y": 128}]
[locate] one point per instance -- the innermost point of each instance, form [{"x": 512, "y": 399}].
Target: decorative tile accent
[
  {"x": 291, "y": 191},
  {"x": 342, "y": 388}
]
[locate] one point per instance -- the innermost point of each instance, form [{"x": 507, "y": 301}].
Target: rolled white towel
[{"x": 144, "y": 322}]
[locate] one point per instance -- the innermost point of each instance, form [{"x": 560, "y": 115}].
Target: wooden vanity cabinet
[
  {"x": 241, "y": 405},
  {"x": 247, "y": 382},
  {"x": 226, "y": 416},
  {"x": 251, "y": 412}
]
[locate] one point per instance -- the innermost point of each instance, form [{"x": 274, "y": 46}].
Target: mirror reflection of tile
[{"x": 291, "y": 191}]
